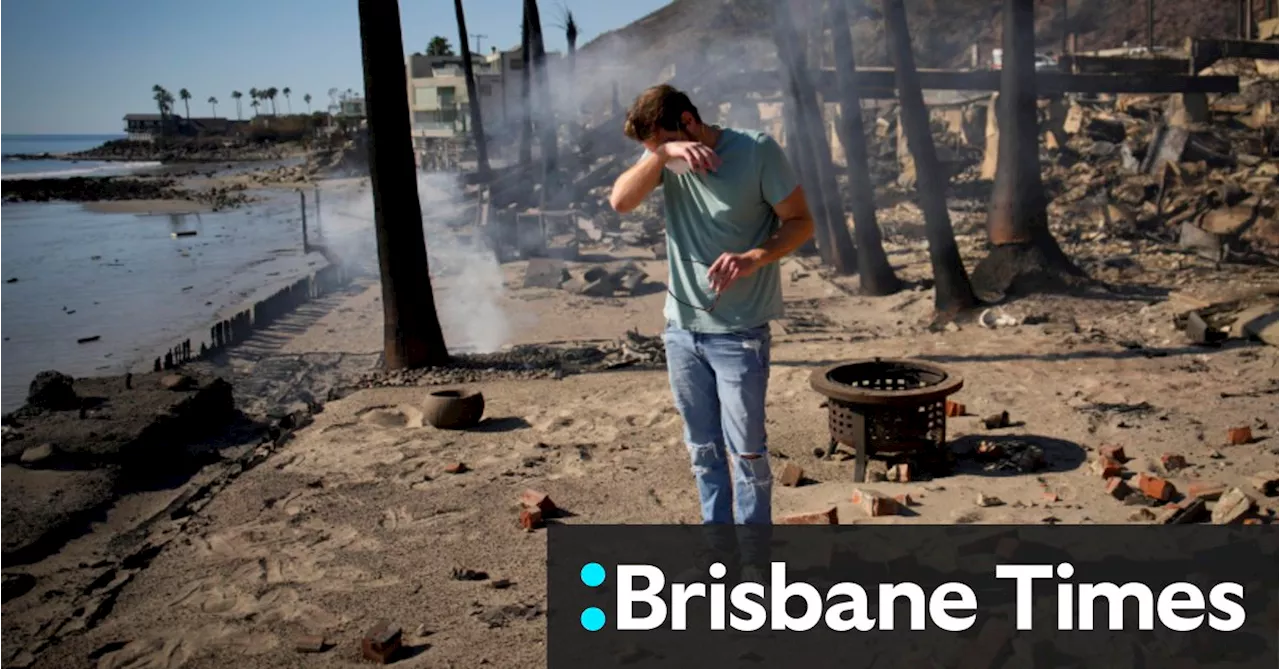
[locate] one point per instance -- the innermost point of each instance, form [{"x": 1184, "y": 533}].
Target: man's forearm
[
  {"x": 791, "y": 235},
  {"x": 634, "y": 185}
]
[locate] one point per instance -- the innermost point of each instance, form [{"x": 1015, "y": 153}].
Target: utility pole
[{"x": 478, "y": 38}]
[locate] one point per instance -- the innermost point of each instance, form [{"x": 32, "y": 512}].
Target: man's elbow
[{"x": 620, "y": 204}]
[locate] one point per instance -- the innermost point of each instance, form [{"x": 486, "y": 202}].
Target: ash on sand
[{"x": 533, "y": 361}]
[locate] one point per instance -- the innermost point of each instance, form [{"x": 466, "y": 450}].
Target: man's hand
[
  {"x": 699, "y": 156},
  {"x": 730, "y": 267}
]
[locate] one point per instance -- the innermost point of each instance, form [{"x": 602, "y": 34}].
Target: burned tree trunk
[
  {"x": 795, "y": 151},
  {"x": 473, "y": 99},
  {"x": 952, "y": 291},
  {"x": 1024, "y": 257},
  {"x": 833, "y": 233},
  {"x": 874, "y": 271},
  {"x": 412, "y": 334},
  {"x": 545, "y": 116},
  {"x": 526, "y": 114}
]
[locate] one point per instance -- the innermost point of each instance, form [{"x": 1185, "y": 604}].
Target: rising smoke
[{"x": 465, "y": 274}]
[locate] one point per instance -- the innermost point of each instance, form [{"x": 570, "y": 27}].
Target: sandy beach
[{"x": 356, "y": 519}]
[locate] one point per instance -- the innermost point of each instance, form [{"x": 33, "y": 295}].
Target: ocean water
[
  {"x": 126, "y": 280},
  {"x": 35, "y": 144}
]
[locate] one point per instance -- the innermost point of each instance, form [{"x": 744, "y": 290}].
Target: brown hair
[{"x": 659, "y": 107}]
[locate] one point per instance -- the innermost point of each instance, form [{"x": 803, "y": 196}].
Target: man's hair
[{"x": 659, "y": 107}]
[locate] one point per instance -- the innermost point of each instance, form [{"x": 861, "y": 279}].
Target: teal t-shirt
[{"x": 729, "y": 210}]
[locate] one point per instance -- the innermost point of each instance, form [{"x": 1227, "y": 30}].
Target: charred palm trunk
[
  {"x": 1025, "y": 256},
  {"x": 799, "y": 158},
  {"x": 546, "y": 119},
  {"x": 874, "y": 271},
  {"x": 412, "y": 335},
  {"x": 952, "y": 291},
  {"x": 526, "y": 113},
  {"x": 473, "y": 100},
  {"x": 831, "y": 229}
]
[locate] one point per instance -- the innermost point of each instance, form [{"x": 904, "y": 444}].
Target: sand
[{"x": 355, "y": 519}]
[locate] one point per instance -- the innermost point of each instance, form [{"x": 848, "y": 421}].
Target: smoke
[{"x": 466, "y": 277}]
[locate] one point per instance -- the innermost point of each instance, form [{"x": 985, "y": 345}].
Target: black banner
[{"x": 965, "y": 596}]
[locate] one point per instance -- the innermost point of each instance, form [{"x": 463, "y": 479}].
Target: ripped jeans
[{"x": 719, "y": 382}]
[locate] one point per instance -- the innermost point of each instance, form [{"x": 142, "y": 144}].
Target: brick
[
  {"x": 955, "y": 409},
  {"x": 1050, "y": 497},
  {"x": 311, "y": 644},
  {"x": 828, "y": 517},
  {"x": 874, "y": 504},
  {"x": 1173, "y": 462},
  {"x": 456, "y": 468},
  {"x": 1264, "y": 483},
  {"x": 1239, "y": 435},
  {"x": 1191, "y": 511},
  {"x": 791, "y": 475},
  {"x": 1113, "y": 452},
  {"x": 900, "y": 473},
  {"x": 1155, "y": 487},
  {"x": 1107, "y": 468},
  {"x": 1232, "y": 507},
  {"x": 381, "y": 644},
  {"x": 1251, "y": 521},
  {"x": 530, "y": 518},
  {"x": 1117, "y": 488},
  {"x": 905, "y": 500},
  {"x": 538, "y": 500},
  {"x": 1207, "y": 490}
]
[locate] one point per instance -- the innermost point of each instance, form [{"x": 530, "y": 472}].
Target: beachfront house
[
  {"x": 438, "y": 95},
  {"x": 146, "y": 127}
]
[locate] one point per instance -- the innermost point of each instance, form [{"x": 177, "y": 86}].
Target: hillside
[{"x": 736, "y": 33}]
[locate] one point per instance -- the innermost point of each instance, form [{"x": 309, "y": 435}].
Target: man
[{"x": 731, "y": 216}]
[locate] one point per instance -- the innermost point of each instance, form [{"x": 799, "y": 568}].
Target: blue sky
[{"x": 78, "y": 66}]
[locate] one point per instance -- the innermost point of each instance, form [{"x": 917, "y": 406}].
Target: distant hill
[{"x": 736, "y": 33}]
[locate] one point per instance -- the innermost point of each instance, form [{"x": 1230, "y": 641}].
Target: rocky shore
[
  {"x": 185, "y": 151},
  {"x": 112, "y": 189}
]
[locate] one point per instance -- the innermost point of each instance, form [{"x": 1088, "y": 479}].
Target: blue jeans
[{"x": 719, "y": 382}]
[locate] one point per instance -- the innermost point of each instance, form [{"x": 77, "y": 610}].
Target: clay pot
[{"x": 453, "y": 409}]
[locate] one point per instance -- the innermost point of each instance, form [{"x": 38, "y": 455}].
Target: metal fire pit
[{"x": 884, "y": 407}]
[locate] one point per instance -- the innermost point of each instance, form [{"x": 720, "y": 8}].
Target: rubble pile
[{"x": 594, "y": 281}]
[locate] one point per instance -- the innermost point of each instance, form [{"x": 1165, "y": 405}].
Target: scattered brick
[
  {"x": 1192, "y": 511},
  {"x": 538, "y": 500},
  {"x": 1232, "y": 507},
  {"x": 1117, "y": 488},
  {"x": 1050, "y": 497},
  {"x": 996, "y": 420},
  {"x": 791, "y": 475},
  {"x": 874, "y": 504},
  {"x": 381, "y": 643},
  {"x": 311, "y": 644},
  {"x": 1264, "y": 483},
  {"x": 828, "y": 517},
  {"x": 900, "y": 473},
  {"x": 1114, "y": 453},
  {"x": 1206, "y": 490},
  {"x": 456, "y": 468},
  {"x": 530, "y": 518},
  {"x": 1173, "y": 462},
  {"x": 1155, "y": 487},
  {"x": 955, "y": 409},
  {"x": 1107, "y": 468},
  {"x": 905, "y": 500},
  {"x": 1251, "y": 521},
  {"x": 1239, "y": 435}
]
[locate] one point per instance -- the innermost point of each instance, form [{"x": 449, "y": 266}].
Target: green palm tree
[
  {"x": 213, "y": 102},
  {"x": 307, "y": 99},
  {"x": 236, "y": 95},
  {"x": 254, "y": 95},
  {"x": 289, "y": 102},
  {"x": 270, "y": 96},
  {"x": 439, "y": 46},
  {"x": 164, "y": 101},
  {"x": 254, "y": 104},
  {"x": 186, "y": 100}
]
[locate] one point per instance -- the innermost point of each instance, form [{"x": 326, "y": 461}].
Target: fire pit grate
[{"x": 883, "y": 407}]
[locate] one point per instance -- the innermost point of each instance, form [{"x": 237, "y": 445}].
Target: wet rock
[{"x": 53, "y": 390}]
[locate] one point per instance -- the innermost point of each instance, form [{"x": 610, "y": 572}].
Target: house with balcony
[
  {"x": 146, "y": 127},
  {"x": 438, "y": 100}
]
